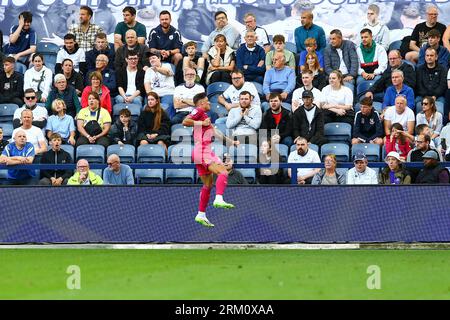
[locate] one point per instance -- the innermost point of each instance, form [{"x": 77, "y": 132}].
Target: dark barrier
[{"x": 263, "y": 214}]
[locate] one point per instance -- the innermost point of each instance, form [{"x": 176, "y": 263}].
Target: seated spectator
[
  {"x": 72, "y": 51},
  {"x": 279, "y": 46},
  {"x": 308, "y": 84},
  {"x": 11, "y": 83},
  {"x": 262, "y": 38},
  {"x": 431, "y": 117},
  {"x": 231, "y": 35},
  {"x": 398, "y": 141},
  {"x": 234, "y": 176},
  {"x": 329, "y": 175},
  {"x": 308, "y": 122},
  {"x": 64, "y": 92},
  {"x": 425, "y": 130},
  {"x": 131, "y": 45},
  {"x": 154, "y": 123},
  {"x": 34, "y": 134},
  {"x": 394, "y": 173},
  {"x": 73, "y": 78},
  {"x": 400, "y": 113},
  {"x": 432, "y": 172},
  {"x": 56, "y": 155},
  {"x": 250, "y": 58},
  {"x": 96, "y": 80},
  {"x": 117, "y": 173},
  {"x": 61, "y": 123},
  {"x": 280, "y": 79},
  {"x": 433, "y": 41},
  {"x": 22, "y": 39},
  {"x": 93, "y": 123},
  {"x": 373, "y": 59},
  {"x": 397, "y": 89},
  {"x": 39, "y": 78},
  {"x": 277, "y": 122},
  {"x": 19, "y": 152},
  {"x": 129, "y": 23},
  {"x": 303, "y": 154},
  {"x": 338, "y": 106},
  {"x": 84, "y": 176},
  {"x": 310, "y": 47},
  {"x": 361, "y": 173},
  {"x": 309, "y": 30},
  {"x": 221, "y": 59},
  {"x": 269, "y": 154},
  {"x": 130, "y": 91},
  {"x": 101, "y": 47},
  {"x": 184, "y": 94},
  {"x": 108, "y": 74},
  {"x": 245, "y": 120},
  {"x": 312, "y": 64},
  {"x": 367, "y": 127},
  {"x": 431, "y": 78},
  {"x": 40, "y": 114},
  {"x": 230, "y": 97},
  {"x": 3, "y": 142},
  {"x": 124, "y": 130},
  {"x": 159, "y": 78},
  {"x": 415, "y": 155}
]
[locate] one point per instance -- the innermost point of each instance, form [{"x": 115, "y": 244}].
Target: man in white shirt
[
  {"x": 361, "y": 173},
  {"x": 307, "y": 79},
  {"x": 34, "y": 134},
  {"x": 159, "y": 78},
  {"x": 238, "y": 85},
  {"x": 400, "y": 113},
  {"x": 303, "y": 154},
  {"x": 262, "y": 38},
  {"x": 40, "y": 114},
  {"x": 184, "y": 94}
]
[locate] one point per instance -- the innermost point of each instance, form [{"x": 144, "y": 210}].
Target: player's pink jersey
[{"x": 202, "y": 135}]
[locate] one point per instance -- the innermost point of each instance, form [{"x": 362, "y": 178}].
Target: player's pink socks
[
  {"x": 221, "y": 183},
  {"x": 204, "y": 198}
]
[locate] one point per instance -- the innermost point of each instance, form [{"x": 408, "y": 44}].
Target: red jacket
[
  {"x": 105, "y": 99},
  {"x": 403, "y": 148}
]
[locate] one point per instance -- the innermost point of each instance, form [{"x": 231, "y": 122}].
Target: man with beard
[
  {"x": 279, "y": 120},
  {"x": 432, "y": 172},
  {"x": 303, "y": 154}
]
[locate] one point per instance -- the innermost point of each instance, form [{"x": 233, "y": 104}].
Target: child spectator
[
  {"x": 278, "y": 44},
  {"x": 124, "y": 130},
  {"x": 397, "y": 141}
]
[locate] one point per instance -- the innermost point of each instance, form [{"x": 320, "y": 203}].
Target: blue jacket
[
  {"x": 391, "y": 94},
  {"x": 171, "y": 40},
  {"x": 251, "y": 59},
  {"x": 283, "y": 79},
  {"x": 316, "y": 32}
]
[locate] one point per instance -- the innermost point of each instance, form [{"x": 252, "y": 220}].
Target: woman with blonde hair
[
  {"x": 61, "y": 123},
  {"x": 329, "y": 175},
  {"x": 221, "y": 59}
]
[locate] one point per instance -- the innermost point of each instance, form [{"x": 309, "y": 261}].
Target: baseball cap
[
  {"x": 430, "y": 154},
  {"x": 359, "y": 156},
  {"x": 307, "y": 94}
]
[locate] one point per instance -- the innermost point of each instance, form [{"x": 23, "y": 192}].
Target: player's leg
[
  {"x": 204, "y": 199},
  {"x": 221, "y": 185}
]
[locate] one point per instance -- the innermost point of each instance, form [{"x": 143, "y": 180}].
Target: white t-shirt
[
  {"x": 131, "y": 84},
  {"x": 342, "y": 66},
  {"x": 392, "y": 115},
  {"x": 160, "y": 83},
  {"x": 34, "y": 135},
  {"x": 261, "y": 36},
  {"x": 310, "y": 157},
  {"x": 76, "y": 57},
  {"x": 183, "y": 92},
  {"x": 342, "y": 96},
  {"x": 39, "y": 113},
  {"x": 318, "y": 96},
  {"x": 232, "y": 94},
  {"x": 310, "y": 114}
]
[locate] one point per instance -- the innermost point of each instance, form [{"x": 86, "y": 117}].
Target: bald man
[
  {"x": 131, "y": 44},
  {"x": 83, "y": 176},
  {"x": 117, "y": 173}
]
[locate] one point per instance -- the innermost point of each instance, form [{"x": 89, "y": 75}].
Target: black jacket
[
  {"x": 60, "y": 157},
  {"x": 145, "y": 123},
  {"x": 314, "y": 133},
  {"x": 117, "y": 134},
  {"x": 284, "y": 127},
  {"x": 431, "y": 82},
  {"x": 122, "y": 80},
  {"x": 385, "y": 81},
  {"x": 91, "y": 56},
  {"x": 11, "y": 88},
  {"x": 368, "y": 127}
]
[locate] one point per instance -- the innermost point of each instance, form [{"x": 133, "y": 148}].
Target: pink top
[
  {"x": 105, "y": 98},
  {"x": 203, "y": 137}
]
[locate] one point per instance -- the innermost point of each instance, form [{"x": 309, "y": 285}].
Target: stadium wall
[{"x": 280, "y": 214}]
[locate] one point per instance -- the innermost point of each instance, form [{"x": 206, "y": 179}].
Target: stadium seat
[
  {"x": 371, "y": 150},
  {"x": 218, "y": 109},
  {"x": 7, "y": 130},
  {"x": 180, "y": 176},
  {"x": 249, "y": 174},
  {"x": 125, "y": 152},
  {"x": 340, "y": 150},
  {"x": 378, "y": 106},
  {"x": 149, "y": 176},
  {"x": 221, "y": 126},
  {"x": 3, "y": 176},
  {"x": 69, "y": 149},
  {"x": 20, "y": 68},
  {"x": 363, "y": 87},
  {"x": 181, "y": 133},
  {"x": 290, "y": 46},
  {"x": 221, "y": 120},
  {"x": 49, "y": 51},
  {"x": 149, "y": 153},
  {"x": 218, "y": 149},
  {"x": 180, "y": 153},
  {"x": 338, "y": 132},
  {"x": 7, "y": 112},
  {"x": 410, "y": 63},
  {"x": 259, "y": 88},
  {"x": 135, "y": 110},
  {"x": 395, "y": 45},
  {"x": 244, "y": 153},
  {"x": 311, "y": 146},
  {"x": 93, "y": 153},
  {"x": 286, "y": 105},
  {"x": 216, "y": 87},
  {"x": 283, "y": 150}
]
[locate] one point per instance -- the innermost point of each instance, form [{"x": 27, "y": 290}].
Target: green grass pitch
[{"x": 224, "y": 274}]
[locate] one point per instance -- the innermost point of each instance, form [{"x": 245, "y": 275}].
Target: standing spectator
[
  {"x": 131, "y": 45},
  {"x": 432, "y": 172},
  {"x": 402, "y": 114},
  {"x": 431, "y": 117},
  {"x": 97, "y": 86},
  {"x": 11, "y": 83},
  {"x": 101, "y": 47},
  {"x": 394, "y": 173},
  {"x": 309, "y": 30},
  {"x": 329, "y": 175},
  {"x": 65, "y": 92},
  {"x": 308, "y": 84},
  {"x": 73, "y": 78},
  {"x": 269, "y": 154},
  {"x": 279, "y": 79},
  {"x": 61, "y": 123},
  {"x": 361, "y": 173},
  {"x": 129, "y": 22},
  {"x": 221, "y": 59},
  {"x": 117, "y": 173},
  {"x": 230, "y": 97},
  {"x": 262, "y": 38},
  {"x": 303, "y": 154},
  {"x": 40, "y": 114},
  {"x": 39, "y": 78},
  {"x": 245, "y": 120},
  {"x": 33, "y": 133},
  {"x": 434, "y": 39},
  {"x": 223, "y": 28},
  {"x": 84, "y": 176},
  {"x": 397, "y": 140},
  {"x": 398, "y": 88},
  {"x": 277, "y": 121},
  {"x": 165, "y": 40},
  {"x": 379, "y": 30},
  {"x": 85, "y": 32},
  {"x": 338, "y": 106},
  {"x": 250, "y": 58},
  {"x": 159, "y": 78},
  {"x": 130, "y": 81},
  {"x": 56, "y": 155},
  {"x": 372, "y": 58},
  {"x": 279, "y": 44},
  {"x": 312, "y": 64},
  {"x": 124, "y": 130},
  {"x": 72, "y": 51},
  {"x": 367, "y": 127},
  {"x": 108, "y": 74},
  {"x": 22, "y": 39}
]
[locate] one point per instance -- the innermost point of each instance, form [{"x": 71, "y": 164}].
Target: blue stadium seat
[
  {"x": 259, "y": 88},
  {"x": 219, "y": 149},
  {"x": 249, "y": 174},
  {"x": 180, "y": 153},
  {"x": 290, "y": 46},
  {"x": 221, "y": 120},
  {"x": 181, "y": 133},
  {"x": 371, "y": 150},
  {"x": 135, "y": 110},
  {"x": 311, "y": 146},
  {"x": 395, "y": 45},
  {"x": 412, "y": 64},
  {"x": 363, "y": 87},
  {"x": 283, "y": 150},
  {"x": 7, "y": 130},
  {"x": 20, "y": 68},
  {"x": 286, "y": 105},
  {"x": 149, "y": 176},
  {"x": 7, "y": 112},
  {"x": 125, "y": 152},
  {"x": 221, "y": 126},
  {"x": 218, "y": 109},
  {"x": 180, "y": 176},
  {"x": 149, "y": 153},
  {"x": 378, "y": 106},
  {"x": 93, "y": 153},
  {"x": 338, "y": 132},
  {"x": 244, "y": 153},
  {"x": 216, "y": 87},
  {"x": 69, "y": 149},
  {"x": 340, "y": 150},
  {"x": 3, "y": 176},
  {"x": 49, "y": 51}
]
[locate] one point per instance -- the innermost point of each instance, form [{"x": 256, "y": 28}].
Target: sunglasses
[{"x": 30, "y": 98}]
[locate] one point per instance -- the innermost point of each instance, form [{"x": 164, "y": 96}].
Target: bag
[
  {"x": 39, "y": 92},
  {"x": 38, "y": 95},
  {"x": 93, "y": 128}
]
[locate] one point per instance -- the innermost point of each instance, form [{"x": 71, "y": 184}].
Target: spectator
[
  {"x": 131, "y": 46},
  {"x": 40, "y": 114},
  {"x": 308, "y": 121},
  {"x": 159, "y": 78},
  {"x": 11, "y": 83},
  {"x": 250, "y": 58},
  {"x": 424, "y": 129},
  {"x": 394, "y": 173},
  {"x": 73, "y": 78},
  {"x": 124, "y": 130},
  {"x": 230, "y": 97},
  {"x": 446, "y": 38},
  {"x": 309, "y": 30},
  {"x": 329, "y": 175},
  {"x": 223, "y": 28},
  {"x": 33, "y": 133},
  {"x": 415, "y": 155},
  {"x": 246, "y": 120},
  {"x": 65, "y": 92},
  {"x": 361, "y": 173},
  {"x": 129, "y": 23},
  {"x": 93, "y": 123},
  {"x": 22, "y": 39},
  {"x": 56, "y": 155},
  {"x": 379, "y": 30},
  {"x": 109, "y": 75},
  {"x": 312, "y": 64},
  {"x": 191, "y": 60},
  {"x": 19, "y": 152},
  {"x": 279, "y": 44},
  {"x": 72, "y": 51},
  {"x": 130, "y": 91},
  {"x": 262, "y": 38},
  {"x": 398, "y": 141},
  {"x": 400, "y": 113},
  {"x": 154, "y": 123},
  {"x": 3, "y": 142},
  {"x": 84, "y": 176},
  {"x": 234, "y": 176},
  {"x": 338, "y": 106},
  {"x": 39, "y": 78},
  {"x": 269, "y": 154},
  {"x": 165, "y": 40},
  {"x": 101, "y": 47},
  {"x": 303, "y": 154},
  {"x": 117, "y": 173},
  {"x": 280, "y": 79},
  {"x": 341, "y": 55},
  {"x": 308, "y": 84},
  {"x": 184, "y": 94},
  {"x": 277, "y": 121},
  {"x": 85, "y": 32},
  {"x": 373, "y": 59},
  {"x": 397, "y": 89},
  {"x": 432, "y": 172},
  {"x": 367, "y": 127},
  {"x": 221, "y": 59},
  {"x": 96, "y": 80},
  {"x": 431, "y": 78},
  {"x": 434, "y": 39},
  {"x": 61, "y": 123},
  {"x": 310, "y": 47},
  {"x": 431, "y": 117}
]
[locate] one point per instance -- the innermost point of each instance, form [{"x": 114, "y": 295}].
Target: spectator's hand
[
  {"x": 276, "y": 139},
  {"x": 370, "y": 76},
  {"x": 301, "y": 180},
  {"x": 267, "y": 97},
  {"x": 53, "y": 181},
  {"x": 3, "y": 160},
  {"x": 120, "y": 143},
  {"x": 83, "y": 176},
  {"x": 295, "y": 105},
  {"x": 348, "y": 78},
  {"x": 152, "y": 136},
  {"x": 339, "y": 112},
  {"x": 369, "y": 95},
  {"x": 44, "y": 99},
  {"x": 71, "y": 141},
  {"x": 236, "y": 143},
  {"x": 21, "y": 21},
  {"x": 91, "y": 139},
  {"x": 284, "y": 95}
]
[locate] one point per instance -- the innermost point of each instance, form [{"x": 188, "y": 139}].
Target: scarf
[{"x": 368, "y": 53}]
